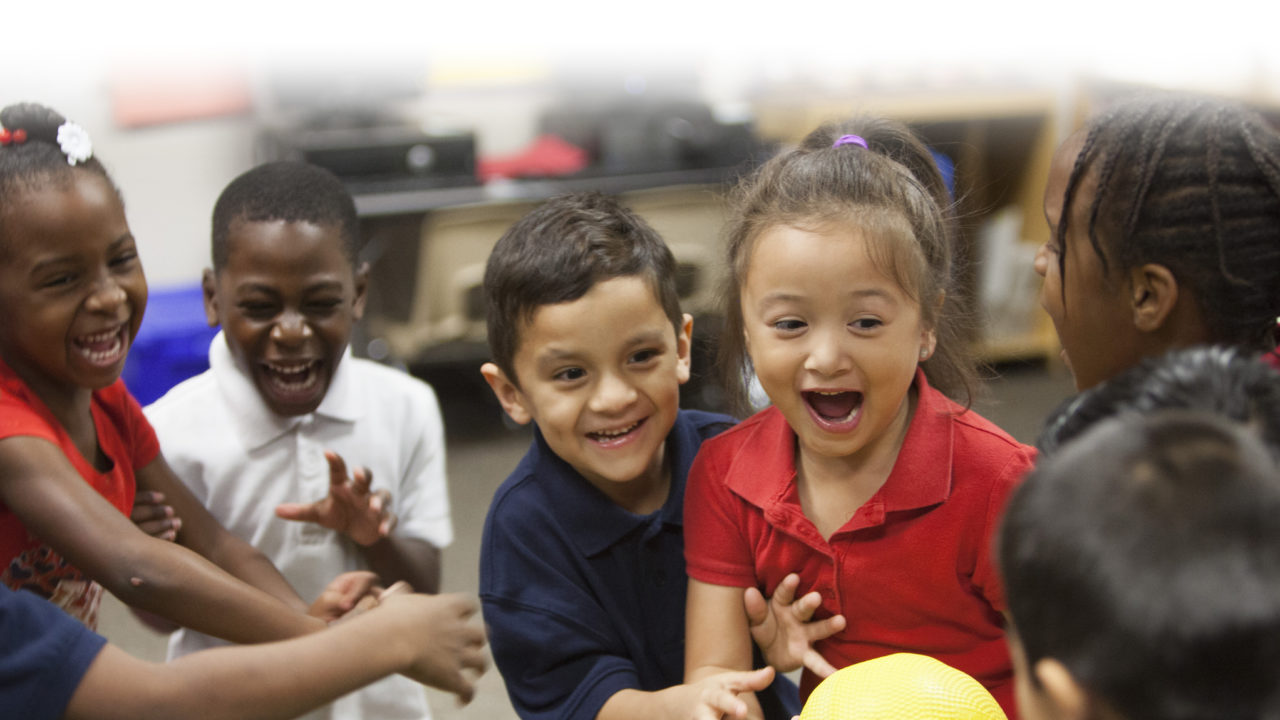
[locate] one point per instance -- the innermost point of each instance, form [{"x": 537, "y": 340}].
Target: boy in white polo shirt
[{"x": 250, "y": 436}]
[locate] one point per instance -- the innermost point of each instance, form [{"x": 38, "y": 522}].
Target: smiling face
[
  {"x": 601, "y": 377},
  {"x": 1089, "y": 309},
  {"x": 287, "y": 300},
  {"x": 833, "y": 340},
  {"x": 71, "y": 286}
]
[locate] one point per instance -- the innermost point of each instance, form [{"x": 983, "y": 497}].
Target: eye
[
  {"x": 124, "y": 259},
  {"x": 569, "y": 374},
  {"x": 645, "y": 355},
  {"x": 867, "y": 323},
  {"x": 257, "y": 310},
  {"x": 789, "y": 325},
  {"x": 325, "y": 306}
]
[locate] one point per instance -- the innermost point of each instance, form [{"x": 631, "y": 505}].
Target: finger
[
  {"x": 724, "y": 703},
  {"x": 822, "y": 629},
  {"x": 397, "y": 588},
  {"x": 464, "y": 689},
  {"x": 380, "y": 500},
  {"x": 361, "y": 478},
  {"x": 337, "y": 468},
  {"x": 750, "y": 680},
  {"x": 301, "y": 512},
  {"x": 148, "y": 497},
  {"x": 804, "y": 607},
  {"x": 158, "y": 528},
  {"x": 388, "y": 524},
  {"x": 817, "y": 664},
  {"x": 146, "y": 513},
  {"x": 785, "y": 593},
  {"x": 754, "y": 603}
]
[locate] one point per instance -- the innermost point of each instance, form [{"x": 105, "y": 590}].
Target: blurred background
[{"x": 449, "y": 120}]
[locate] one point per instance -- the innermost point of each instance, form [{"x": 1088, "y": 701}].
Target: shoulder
[
  {"x": 765, "y": 423},
  {"x": 194, "y": 391},
  {"x": 704, "y": 424}
]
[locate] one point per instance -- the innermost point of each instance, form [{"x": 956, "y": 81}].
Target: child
[
  {"x": 1220, "y": 379},
  {"x": 1171, "y": 237},
  {"x": 1143, "y": 570},
  {"x": 582, "y": 574},
  {"x": 55, "y": 667},
  {"x": 73, "y": 442},
  {"x": 251, "y": 432},
  {"x": 863, "y": 478}
]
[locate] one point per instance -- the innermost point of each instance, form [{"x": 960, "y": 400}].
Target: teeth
[
  {"x": 86, "y": 345},
  {"x": 615, "y": 433}
]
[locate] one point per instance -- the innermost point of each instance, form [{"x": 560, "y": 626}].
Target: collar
[
  {"x": 593, "y": 521},
  {"x": 921, "y": 476},
  {"x": 254, "y": 423}
]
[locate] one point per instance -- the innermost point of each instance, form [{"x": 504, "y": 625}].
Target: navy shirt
[
  {"x": 583, "y": 598},
  {"x": 44, "y": 653}
]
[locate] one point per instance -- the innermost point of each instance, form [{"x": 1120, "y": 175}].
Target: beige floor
[{"x": 479, "y": 460}]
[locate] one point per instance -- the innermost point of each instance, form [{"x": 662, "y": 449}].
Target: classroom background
[{"x": 449, "y": 122}]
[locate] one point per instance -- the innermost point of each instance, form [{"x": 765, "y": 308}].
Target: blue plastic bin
[{"x": 172, "y": 344}]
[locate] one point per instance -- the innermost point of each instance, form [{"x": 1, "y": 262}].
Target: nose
[
  {"x": 107, "y": 296},
  {"x": 291, "y": 328},
  {"x": 1041, "y": 263},
  {"x": 828, "y": 352},
  {"x": 613, "y": 394}
]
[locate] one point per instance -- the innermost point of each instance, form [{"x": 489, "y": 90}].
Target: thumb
[
  {"x": 754, "y": 603},
  {"x": 754, "y": 680},
  {"x": 298, "y": 511}
]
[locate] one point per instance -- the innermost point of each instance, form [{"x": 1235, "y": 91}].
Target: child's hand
[
  {"x": 153, "y": 517},
  {"x": 783, "y": 629},
  {"x": 350, "y": 508},
  {"x": 717, "y": 695},
  {"x": 448, "y": 648},
  {"x": 350, "y": 591}
]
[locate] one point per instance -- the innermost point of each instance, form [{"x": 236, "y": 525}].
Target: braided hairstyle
[
  {"x": 1192, "y": 184},
  {"x": 894, "y": 190},
  {"x": 39, "y": 161}
]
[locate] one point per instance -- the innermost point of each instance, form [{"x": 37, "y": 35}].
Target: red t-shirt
[
  {"x": 911, "y": 571},
  {"x": 125, "y": 437}
]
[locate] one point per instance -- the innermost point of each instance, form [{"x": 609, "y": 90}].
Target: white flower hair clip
[{"x": 74, "y": 141}]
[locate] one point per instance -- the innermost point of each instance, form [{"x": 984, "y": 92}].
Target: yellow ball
[{"x": 902, "y": 686}]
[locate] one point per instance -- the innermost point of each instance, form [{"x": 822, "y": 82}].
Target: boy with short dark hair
[
  {"x": 582, "y": 577},
  {"x": 1142, "y": 567},
  {"x": 284, "y": 406}
]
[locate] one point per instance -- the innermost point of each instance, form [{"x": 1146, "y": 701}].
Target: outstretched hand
[
  {"x": 347, "y": 593},
  {"x": 451, "y": 654},
  {"x": 718, "y": 694},
  {"x": 350, "y": 507},
  {"x": 784, "y": 629}
]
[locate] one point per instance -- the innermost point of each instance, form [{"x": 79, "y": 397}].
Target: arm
[
  {"x": 717, "y": 639},
  {"x": 427, "y": 638},
  {"x": 41, "y": 487},
  {"x": 365, "y": 516},
  {"x": 713, "y": 698}
]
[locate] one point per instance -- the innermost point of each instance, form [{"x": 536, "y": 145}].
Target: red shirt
[
  {"x": 912, "y": 570},
  {"x": 125, "y": 437}
]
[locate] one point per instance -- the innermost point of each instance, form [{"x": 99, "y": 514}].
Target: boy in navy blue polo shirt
[{"x": 582, "y": 576}]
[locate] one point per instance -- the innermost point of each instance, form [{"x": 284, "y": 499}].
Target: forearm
[
  {"x": 412, "y": 560},
  {"x": 717, "y": 638},
  {"x": 175, "y": 583},
  {"x": 265, "y": 682},
  {"x": 243, "y": 561}
]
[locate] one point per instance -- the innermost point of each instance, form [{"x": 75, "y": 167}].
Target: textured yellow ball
[{"x": 902, "y": 686}]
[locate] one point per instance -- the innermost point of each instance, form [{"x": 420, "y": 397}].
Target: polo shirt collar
[
  {"x": 593, "y": 520},
  {"x": 921, "y": 476},
  {"x": 254, "y": 422}
]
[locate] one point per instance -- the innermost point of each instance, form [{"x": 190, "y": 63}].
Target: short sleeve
[
  {"x": 46, "y": 654},
  {"x": 717, "y": 550},
  {"x": 422, "y": 499},
  {"x": 140, "y": 437},
  {"x": 986, "y": 577},
  {"x": 551, "y": 639}
]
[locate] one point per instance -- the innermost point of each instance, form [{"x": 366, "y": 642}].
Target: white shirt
[{"x": 241, "y": 460}]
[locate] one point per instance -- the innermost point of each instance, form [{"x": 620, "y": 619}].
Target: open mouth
[
  {"x": 292, "y": 380},
  {"x": 103, "y": 349},
  {"x": 615, "y": 437},
  {"x": 834, "y": 410}
]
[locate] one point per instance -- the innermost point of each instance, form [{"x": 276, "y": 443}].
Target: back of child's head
[
  {"x": 893, "y": 192},
  {"x": 1223, "y": 380},
  {"x": 32, "y": 154},
  {"x": 560, "y": 250},
  {"x": 290, "y": 192},
  {"x": 1192, "y": 184},
  {"x": 1144, "y": 557}
]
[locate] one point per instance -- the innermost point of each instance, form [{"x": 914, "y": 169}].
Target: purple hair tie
[{"x": 850, "y": 140}]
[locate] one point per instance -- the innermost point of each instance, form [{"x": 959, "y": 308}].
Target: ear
[
  {"x": 1153, "y": 294},
  {"x": 929, "y": 336},
  {"x": 209, "y": 284},
  {"x": 684, "y": 349},
  {"x": 362, "y": 288},
  {"x": 1067, "y": 698},
  {"x": 513, "y": 401}
]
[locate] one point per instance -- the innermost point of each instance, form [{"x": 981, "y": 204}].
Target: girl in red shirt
[{"x": 865, "y": 478}]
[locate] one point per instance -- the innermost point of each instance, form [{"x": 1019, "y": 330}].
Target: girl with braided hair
[{"x": 1164, "y": 216}]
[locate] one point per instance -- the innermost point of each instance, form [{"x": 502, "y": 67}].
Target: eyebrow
[
  {"x": 860, "y": 293},
  {"x": 57, "y": 259}
]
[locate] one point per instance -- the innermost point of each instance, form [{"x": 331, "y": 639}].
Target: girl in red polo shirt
[{"x": 864, "y": 477}]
